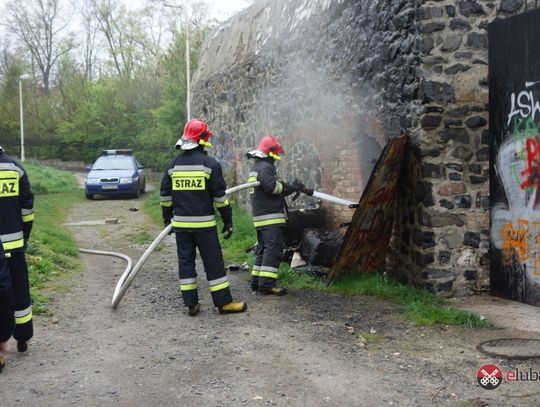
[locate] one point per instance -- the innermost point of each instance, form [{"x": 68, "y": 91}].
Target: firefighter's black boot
[
  {"x": 232, "y": 308},
  {"x": 22, "y": 346},
  {"x": 274, "y": 291},
  {"x": 194, "y": 310}
]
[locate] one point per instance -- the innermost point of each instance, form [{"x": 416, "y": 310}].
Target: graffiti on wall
[
  {"x": 515, "y": 224},
  {"x": 514, "y": 115},
  {"x": 368, "y": 236}
]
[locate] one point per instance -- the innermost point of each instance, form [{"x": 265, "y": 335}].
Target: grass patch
[
  {"x": 152, "y": 207},
  {"x": 243, "y": 237},
  {"x": 52, "y": 251},
  {"x": 420, "y": 306},
  {"x": 142, "y": 238}
]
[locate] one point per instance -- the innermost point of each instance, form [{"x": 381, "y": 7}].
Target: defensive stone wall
[{"x": 334, "y": 79}]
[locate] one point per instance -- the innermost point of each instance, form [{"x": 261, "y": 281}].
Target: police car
[{"x": 116, "y": 172}]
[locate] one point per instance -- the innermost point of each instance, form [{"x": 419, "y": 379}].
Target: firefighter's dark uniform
[
  {"x": 17, "y": 215},
  {"x": 269, "y": 213},
  {"x": 7, "y": 320},
  {"x": 191, "y": 187}
]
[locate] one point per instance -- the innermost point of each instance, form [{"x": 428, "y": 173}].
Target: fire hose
[{"x": 130, "y": 273}]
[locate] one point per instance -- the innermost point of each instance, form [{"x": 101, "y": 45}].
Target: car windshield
[{"x": 113, "y": 163}]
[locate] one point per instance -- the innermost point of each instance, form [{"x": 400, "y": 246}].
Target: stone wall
[
  {"x": 334, "y": 79},
  {"x": 442, "y": 238}
]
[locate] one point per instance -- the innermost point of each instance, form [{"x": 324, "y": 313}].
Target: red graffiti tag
[{"x": 531, "y": 173}]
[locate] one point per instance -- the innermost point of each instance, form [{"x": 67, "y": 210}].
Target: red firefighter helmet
[
  {"x": 196, "y": 133},
  {"x": 269, "y": 146}
]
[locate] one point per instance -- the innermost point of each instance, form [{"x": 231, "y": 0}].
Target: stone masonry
[{"x": 334, "y": 79}]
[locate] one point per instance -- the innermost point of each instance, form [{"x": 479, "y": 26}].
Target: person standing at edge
[
  {"x": 17, "y": 215},
  {"x": 7, "y": 321},
  {"x": 191, "y": 186},
  {"x": 269, "y": 213}
]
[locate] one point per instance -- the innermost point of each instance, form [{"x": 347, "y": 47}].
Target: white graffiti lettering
[{"x": 523, "y": 105}]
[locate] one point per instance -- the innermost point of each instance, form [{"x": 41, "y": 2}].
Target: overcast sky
[{"x": 220, "y": 9}]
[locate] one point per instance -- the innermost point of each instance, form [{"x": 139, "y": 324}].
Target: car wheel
[
  {"x": 89, "y": 196},
  {"x": 143, "y": 189},
  {"x": 136, "y": 194}
]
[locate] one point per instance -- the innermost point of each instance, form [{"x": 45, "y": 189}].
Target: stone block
[
  {"x": 470, "y": 8},
  {"x": 446, "y": 204},
  {"x": 452, "y": 188},
  {"x": 454, "y": 176},
  {"x": 451, "y": 43},
  {"x": 477, "y": 40},
  {"x": 458, "y": 134},
  {"x": 422, "y": 239},
  {"x": 510, "y": 6},
  {"x": 436, "y": 219},
  {"x": 436, "y": 91},
  {"x": 460, "y": 24},
  {"x": 463, "y": 201},
  {"x": 431, "y": 121},
  {"x": 452, "y": 238},
  {"x": 472, "y": 239}
]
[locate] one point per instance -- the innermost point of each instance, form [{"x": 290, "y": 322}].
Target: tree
[{"x": 39, "y": 25}]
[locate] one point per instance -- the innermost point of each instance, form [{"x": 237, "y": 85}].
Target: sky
[{"x": 223, "y": 9}]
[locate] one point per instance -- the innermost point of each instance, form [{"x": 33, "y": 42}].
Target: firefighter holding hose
[
  {"x": 17, "y": 215},
  {"x": 269, "y": 213},
  {"x": 191, "y": 187}
]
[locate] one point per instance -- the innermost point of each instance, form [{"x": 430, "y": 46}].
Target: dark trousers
[
  {"x": 7, "y": 302},
  {"x": 210, "y": 250},
  {"x": 267, "y": 258},
  {"x": 20, "y": 289}
]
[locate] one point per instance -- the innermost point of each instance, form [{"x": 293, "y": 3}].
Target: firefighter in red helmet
[
  {"x": 191, "y": 188},
  {"x": 269, "y": 213}
]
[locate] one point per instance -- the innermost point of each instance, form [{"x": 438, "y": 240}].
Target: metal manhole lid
[{"x": 511, "y": 348}]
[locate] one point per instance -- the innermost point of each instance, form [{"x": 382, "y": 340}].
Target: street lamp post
[{"x": 21, "y": 79}]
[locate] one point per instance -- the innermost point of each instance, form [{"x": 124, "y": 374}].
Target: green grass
[
  {"x": 152, "y": 207},
  {"x": 52, "y": 252},
  {"x": 419, "y": 305},
  {"x": 243, "y": 237}
]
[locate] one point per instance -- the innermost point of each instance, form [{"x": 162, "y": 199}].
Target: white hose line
[
  {"x": 128, "y": 276},
  {"x": 114, "y": 254},
  {"x": 333, "y": 199}
]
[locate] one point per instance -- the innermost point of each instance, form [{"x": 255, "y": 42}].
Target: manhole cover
[{"x": 511, "y": 348}]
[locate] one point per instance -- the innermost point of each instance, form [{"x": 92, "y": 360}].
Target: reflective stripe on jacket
[
  {"x": 267, "y": 200},
  {"x": 191, "y": 188},
  {"x": 16, "y": 204}
]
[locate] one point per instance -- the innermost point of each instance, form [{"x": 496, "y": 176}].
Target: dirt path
[{"x": 299, "y": 350}]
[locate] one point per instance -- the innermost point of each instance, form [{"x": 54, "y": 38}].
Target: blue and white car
[{"x": 116, "y": 172}]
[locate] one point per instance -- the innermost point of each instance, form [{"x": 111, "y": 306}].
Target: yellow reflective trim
[
  {"x": 276, "y": 221},
  {"x": 205, "y": 143},
  {"x": 28, "y": 218},
  {"x": 279, "y": 188},
  {"x": 255, "y": 273},
  {"x": 268, "y": 274},
  {"x": 189, "y": 174},
  {"x": 23, "y": 320},
  {"x": 274, "y": 156},
  {"x": 208, "y": 224},
  {"x": 252, "y": 179},
  {"x": 9, "y": 174},
  {"x": 13, "y": 245},
  {"x": 222, "y": 204},
  {"x": 166, "y": 204},
  {"x": 187, "y": 287},
  {"x": 219, "y": 286}
]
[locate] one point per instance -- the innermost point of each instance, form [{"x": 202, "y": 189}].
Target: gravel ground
[{"x": 297, "y": 350}]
